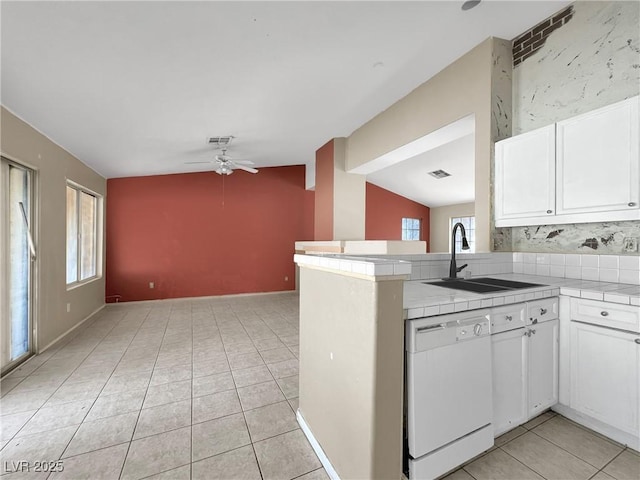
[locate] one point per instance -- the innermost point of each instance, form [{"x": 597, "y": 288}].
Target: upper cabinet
[
  {"x": 525, "y": 175},
  {"x": 584, "y": 169},
  {"x": 597, "y": 160}
]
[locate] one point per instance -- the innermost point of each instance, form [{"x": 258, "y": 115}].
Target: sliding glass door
[{"x": 17, "y": 256}]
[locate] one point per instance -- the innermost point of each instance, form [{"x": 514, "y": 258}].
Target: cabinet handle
[
  {"x": 543, "y": 311},
  {"x": 533, "y": 331},
  {"x": 604, "y": 313},
  {"x": 637, "y": 340},
  {"x": 632, "y": 204},
  {"x": 551, "y": 211},
  {"x": 509, "y": 318},
  {"x": 533, "y": 321}
]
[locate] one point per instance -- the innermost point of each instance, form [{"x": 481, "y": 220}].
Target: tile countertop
[{"x": 423, "y": 300}]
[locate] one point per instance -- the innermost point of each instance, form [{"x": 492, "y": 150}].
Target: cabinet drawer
[
  {"x": 542, "y": 310},
  {"x": 507, "y": 318},
  {"x": 613, "y": 315}
]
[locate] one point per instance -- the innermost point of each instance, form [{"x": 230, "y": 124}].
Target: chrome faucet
[{"x": 453, "y": 269}]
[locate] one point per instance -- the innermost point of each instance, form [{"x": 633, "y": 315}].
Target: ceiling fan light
[{"x": 224, "y": 170}]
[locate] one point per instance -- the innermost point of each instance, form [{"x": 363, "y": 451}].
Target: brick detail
[{"x": 530, "y": 41}]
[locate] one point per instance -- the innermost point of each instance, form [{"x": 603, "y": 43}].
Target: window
[
  {"x": 82, "y": 234},
  {"x": 469, "y": 224},
  {"x": 410, "y": 229}
]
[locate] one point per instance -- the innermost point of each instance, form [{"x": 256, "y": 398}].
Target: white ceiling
[
  {"x": 410, "y": 178},
  {"x": 136, "y": 88}
]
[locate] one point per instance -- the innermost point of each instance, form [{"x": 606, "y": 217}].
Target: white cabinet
[
  {"x": 600, "y": 367},
  {"x": 584, "y": 169},
  {"x": 525, "y": 174},
  {"x": 542, "y": 359},
  {"x": 597, "y": 160},
  {"x": 524, "y": 360},
  {"x": 509, "y": 380},
  {"x": 605, "y": 375}
]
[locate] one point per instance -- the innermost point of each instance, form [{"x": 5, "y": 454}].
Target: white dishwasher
[{"x": 449, "y": 392}]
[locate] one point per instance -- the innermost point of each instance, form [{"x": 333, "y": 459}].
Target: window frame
[
  {"x": 97, "y": 232},
  {"x": 404, "y": 229}
]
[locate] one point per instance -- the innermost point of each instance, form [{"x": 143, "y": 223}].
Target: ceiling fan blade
[
  {"x": 246, "y": 169},
  {"x": 243, "y": 162}
]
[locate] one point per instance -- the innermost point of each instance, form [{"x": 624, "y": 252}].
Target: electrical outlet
[
  {"x": 152, "y": 285},
  {"x": 286, "y": 279},
  {"x": 68, "y": 307},
  {"x": 630, "y": 244}
]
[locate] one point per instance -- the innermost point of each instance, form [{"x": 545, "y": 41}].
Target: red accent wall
[
  {"x": 193, "y": 235},
  {"x": 384, "y": 213},
  {"x": 323, "y": 220}
]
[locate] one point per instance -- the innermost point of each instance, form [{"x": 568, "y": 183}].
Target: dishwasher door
[{"x": 449, "y": 393}]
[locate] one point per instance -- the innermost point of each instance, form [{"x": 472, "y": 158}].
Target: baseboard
[
  {"x": 333, "y": 475},
  {"x": 208, "y": 297},
  {"x": 62, "y": 337}
]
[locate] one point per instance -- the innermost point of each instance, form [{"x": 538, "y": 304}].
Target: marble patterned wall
[
  {"x": 596, "y": 238},
  {"x": 501, "y": 108},
  {"x": 590, "y": 62}
]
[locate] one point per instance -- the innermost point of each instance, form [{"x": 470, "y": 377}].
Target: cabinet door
[
  {"x": 597, "y": 160},
  {"x": 525, "y": 175},
  {"x": 605, "y": 374},
  {"x": 509, "y": 380},
  {"x": 542, "y": 357}
]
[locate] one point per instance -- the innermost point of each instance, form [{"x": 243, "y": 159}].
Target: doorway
[{"x": 17, "y": 262}]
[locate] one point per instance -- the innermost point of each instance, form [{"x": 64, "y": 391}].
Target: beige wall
[
  {"x": 351, "y": 364},
  {"x": 349, "y": 197},
  {"x": 439, "y": 225},
  {"x": 462, "y": 88},
  {"x": 53, "y": 166}
]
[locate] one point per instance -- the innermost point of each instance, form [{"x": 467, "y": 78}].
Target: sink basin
[
  {"x": 482, "y": 285},
  {"x": 467, "y": 286},
  {"x": 512, "y": 284}
]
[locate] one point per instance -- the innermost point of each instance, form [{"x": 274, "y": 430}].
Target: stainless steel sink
[{"x": 482, "y": 285}]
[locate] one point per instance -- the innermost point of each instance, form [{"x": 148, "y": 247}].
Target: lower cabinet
[
  {"x": 605, "y": 375},
  {"x": 542, "y": 356},
  {"x": 525, "y": 367},
  {"x": 509, "y": 380},
  {"x": 600, "y": 367}
]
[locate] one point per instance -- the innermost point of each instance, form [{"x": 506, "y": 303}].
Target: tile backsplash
[
  {"x": 599, "y": 268},
  {"x": 430, "y": 266}
]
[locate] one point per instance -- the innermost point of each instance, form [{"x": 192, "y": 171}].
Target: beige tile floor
[
  {"x": 181, "y": 389},
  {"x": 207, "y": 389},
  {"x": 554, "y": 448}
]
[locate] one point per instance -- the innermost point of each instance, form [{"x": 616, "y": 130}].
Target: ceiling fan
[{"x": 225, "y": 165}]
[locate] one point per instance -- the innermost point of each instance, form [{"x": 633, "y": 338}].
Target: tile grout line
[
  {"x": 193, "y": 332},
  {"x": 236, "y": 320},
  {"x": 567, "y": 451},
  {"x": 610, "y": 462},
  {"x": 79, "y": 425},
  {"x": 58, "y": 388},
  {"x": 147, "y": 389},
  {"x": 522, "y": 463},
  {"x": 253, "y": 448}
]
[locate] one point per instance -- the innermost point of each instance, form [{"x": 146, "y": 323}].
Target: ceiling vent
[
  {"x": 220, "y": 142},
  {"x": 439, "y": 174}
]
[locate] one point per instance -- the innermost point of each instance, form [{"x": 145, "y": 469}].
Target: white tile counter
[
  {"x": 423, "y": 300},
  {"x": 369, "y": 266}
]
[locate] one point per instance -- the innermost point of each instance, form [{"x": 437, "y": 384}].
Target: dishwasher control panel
[
  {"x": 433, "y": 332},
  {"x": 478, "y": 329}
]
